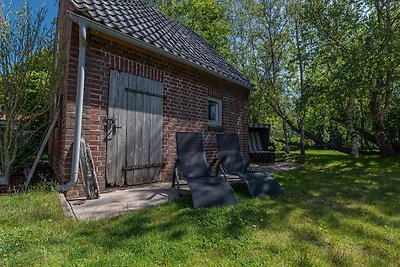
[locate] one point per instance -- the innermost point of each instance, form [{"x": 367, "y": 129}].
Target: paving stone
[{"x": 121, "y": 201}]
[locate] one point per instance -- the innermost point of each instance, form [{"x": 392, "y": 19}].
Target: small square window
[{"x": 214, "y": 111}]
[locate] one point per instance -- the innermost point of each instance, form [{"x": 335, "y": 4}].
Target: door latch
[{"x": 112, "y": 126}]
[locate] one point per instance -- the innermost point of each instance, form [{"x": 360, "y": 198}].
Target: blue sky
[{"x": 51, "y": 5}]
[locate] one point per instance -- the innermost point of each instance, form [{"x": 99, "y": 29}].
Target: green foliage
[
  {"x": 336, "y": 211},
  {"x": 393, "y": 119},
  {"x": 260, "y": 42},
  {"x": 332, "y": 63},
  {"x": 27, "y": 72},
  {"x": 358, "y": 58}
]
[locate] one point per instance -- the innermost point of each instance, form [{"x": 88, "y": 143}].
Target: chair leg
[
  {"x": 179, "y": 188},
  {"x": 173, "y": 182},
  {"x": 175, "y": 177}
]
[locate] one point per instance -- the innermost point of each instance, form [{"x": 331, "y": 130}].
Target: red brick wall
[
  {"x": 58, "y": 138},
  {"x": 185, "y": 103}
]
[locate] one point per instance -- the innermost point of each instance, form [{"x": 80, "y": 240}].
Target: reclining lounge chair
[
  {"x": 232, "y": 162},
  {"x": 207, "y": 189}
]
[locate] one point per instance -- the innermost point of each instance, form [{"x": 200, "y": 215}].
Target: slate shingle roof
[{"x": 143, "y": 22}]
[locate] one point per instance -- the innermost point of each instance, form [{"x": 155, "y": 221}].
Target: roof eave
[{"x": 98, "y": 27}]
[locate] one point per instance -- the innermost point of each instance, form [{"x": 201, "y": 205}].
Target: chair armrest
[
  {"x": 210, "y": 167},
  {"x": 220, "y": 168},
  {"x": 247, "y": 167}
]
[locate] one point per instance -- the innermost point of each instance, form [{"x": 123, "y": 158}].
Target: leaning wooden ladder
[{"x": 88, "y": 172}]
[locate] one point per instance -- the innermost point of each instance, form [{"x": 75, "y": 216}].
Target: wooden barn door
[{"x": 134, "y": 128}]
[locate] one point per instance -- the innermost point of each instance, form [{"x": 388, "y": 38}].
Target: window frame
[{"x": 217, "y": 122}]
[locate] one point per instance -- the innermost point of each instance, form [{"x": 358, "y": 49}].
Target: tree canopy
[
  {"x": 26, "y": 72},
  {"x": 325, "y": 72}
]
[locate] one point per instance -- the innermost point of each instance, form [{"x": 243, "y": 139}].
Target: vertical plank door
[{"x": 134, "y": 147}]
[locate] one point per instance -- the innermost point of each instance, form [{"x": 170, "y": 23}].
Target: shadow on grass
[{"x": 331, "y": 193}]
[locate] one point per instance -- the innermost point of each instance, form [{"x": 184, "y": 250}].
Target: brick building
[{"x": 133, "y": 78}]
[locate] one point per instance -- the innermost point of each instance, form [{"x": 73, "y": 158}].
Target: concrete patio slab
[
  {"x": 120, "y": 201},
  {"x": 124, "y": 200}
]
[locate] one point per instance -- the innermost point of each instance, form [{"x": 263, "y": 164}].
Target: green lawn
[{"x": 337, "y": 211}]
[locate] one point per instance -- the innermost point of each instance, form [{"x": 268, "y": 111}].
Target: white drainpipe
[
  {"x": 78, "y": 109},
  {"x": 85, "y": 23}
]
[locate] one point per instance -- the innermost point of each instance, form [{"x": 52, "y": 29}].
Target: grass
[{"x": 337, "y": 211}]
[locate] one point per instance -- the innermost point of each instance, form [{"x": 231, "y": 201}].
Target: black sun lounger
[
  {"x": 232, "y": 162},
  {"x": 207, "y": 189}
]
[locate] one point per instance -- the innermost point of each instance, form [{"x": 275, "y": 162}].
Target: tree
[
  {"x": 361, "y": 34},
  {"x": 301, "y": 51},
  {"x": 325, "y": 69},
  {"x": 26, "y": 72}
]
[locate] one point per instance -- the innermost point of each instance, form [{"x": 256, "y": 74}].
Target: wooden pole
[{"x": 39, "y": 155}]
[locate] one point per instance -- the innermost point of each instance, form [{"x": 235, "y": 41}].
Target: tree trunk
[
  {"x": 381, "y": 96},
  {"x": 286, "y": 135},
  {"x": 307, "y": 134},
  {"x": 302, "y": 137},
  {"x": 6, "y": 157},
  {"x": 385, "y": 147},
  {"x": 368, "y": 137},
  {"x": 6, "y": 168},
  {"x": 5, "y": 178},
  {"x": 364, "y": 140},
  {"x": 301, "y": 73},
  {"x": 350, "y": 128}
]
